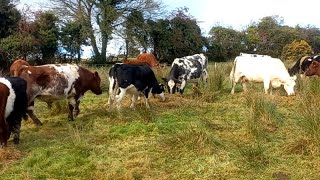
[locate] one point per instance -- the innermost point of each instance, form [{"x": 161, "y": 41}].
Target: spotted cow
[
  {"x": 184, "y": 69},
  {"x": 57, "y": 81},
  {"x": 135, "y": 80},
  {"x": 13, "y": 106}
]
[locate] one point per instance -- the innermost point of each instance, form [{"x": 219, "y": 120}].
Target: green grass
[{"x": 207, "y": 133}]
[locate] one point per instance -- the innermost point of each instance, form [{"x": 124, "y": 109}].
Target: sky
[{"x": 239, "y": 13}]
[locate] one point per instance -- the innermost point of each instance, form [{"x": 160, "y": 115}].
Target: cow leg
[
  {"x": 182, "y": 86},
  {"x": 147, "y": 101},
  {"x": 119, "y": 98},
  {"x": 4, "y": 133},
  {"x": 205, "y": 76},
  {"x": 134, "y": 100},
  {"x": 233, "y": 86},
  {"x": 72, "y": 106},
  {"x": 16, "y": 132},
  {"x": 30, "y": 112},
  {"x": 266, "y": 85}
]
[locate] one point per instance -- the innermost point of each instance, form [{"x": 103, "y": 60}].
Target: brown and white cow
[
  {"x": 144, "y": 58},
  {"x": 16, "y": 65},
  {"x": 57, "y": 81}
]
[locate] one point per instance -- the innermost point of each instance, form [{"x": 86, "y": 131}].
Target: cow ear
[
  {"x": 96, "y": 73},
  {"x": 164, "y": 79}
]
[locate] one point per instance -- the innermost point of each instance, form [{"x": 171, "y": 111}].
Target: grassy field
[{"x": 207, "y": 133}]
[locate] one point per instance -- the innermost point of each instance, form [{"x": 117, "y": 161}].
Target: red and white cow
[
  {"x": 144, "y": 58},
  {"x": 16, "y": 65},
  {"x": 270, "y": 71},
  {"x": 57, "y": 81}
]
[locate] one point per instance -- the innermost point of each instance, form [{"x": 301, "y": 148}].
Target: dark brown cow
[
  {"x": 314, "y": 69},
  {"x": 16, "y": 65},
  {"x": 144, "y": 58},
  {"x": 13, "y": 106},
  {"x": 57, "y": 81}
]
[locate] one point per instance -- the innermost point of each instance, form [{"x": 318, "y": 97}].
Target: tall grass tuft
[
  {"x": 309, "y": 107},
  {"x": 254, "y": 155},
  {"x": 214, "y": 85},
  {"x": 263, "y": 118}
]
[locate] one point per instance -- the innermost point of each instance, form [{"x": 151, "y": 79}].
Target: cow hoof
[{"x": 39, "y": 124}]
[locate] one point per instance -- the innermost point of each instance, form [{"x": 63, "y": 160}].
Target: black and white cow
[
  {"x": 302, "y": 64},
  {"x": 185, "y": 69},
  {"x": 13, "y": 106},
  {"x": 132, "y": 79}
]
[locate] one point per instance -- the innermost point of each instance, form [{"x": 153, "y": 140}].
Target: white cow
[
  {"x": 253, "y": 55},
  {"x": 270, "y": 71}
]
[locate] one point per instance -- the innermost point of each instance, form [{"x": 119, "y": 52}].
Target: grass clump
[
  {"x": 254, "y": 155},
  {"x": 263, "y": 118},
  {"x": 309, "y": 107}
]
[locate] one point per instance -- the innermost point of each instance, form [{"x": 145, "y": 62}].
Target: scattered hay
[{"x": 9, "y": 155}]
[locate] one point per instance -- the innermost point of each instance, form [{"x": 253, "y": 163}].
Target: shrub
[{"x": 296, "y": 50}]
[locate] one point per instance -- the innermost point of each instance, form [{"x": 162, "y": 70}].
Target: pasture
[{"x": 207, "y": 133}]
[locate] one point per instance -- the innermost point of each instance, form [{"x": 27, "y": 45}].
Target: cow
[
  {"x": 313, "y": 69},
  {"x": 135, "y": 80},
  {"x": 253, "y": 55},
  {"x": 302, "y": 64},
  {"x": 144, "y": 58},
  {"x": 56, "y": 81},
  {"x": 270, "y": 71},
  {"x": 16, "y": 65},
  {"x": 13, "y": 107},
  {"x": 184, "y": 69}
]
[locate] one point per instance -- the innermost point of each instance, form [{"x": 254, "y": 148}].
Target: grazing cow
[
  {"x": 13, "y": 106},
  {"x": 270, "y": 71},
  {"x": 253, "y": 55},
  {"x": 144, "y": 58},
  {"x": 185, "y": 69},
  {"x": 57, "y": 81},
  {"x": 302, "y": 64},
  {"x": 134, "y": 79},
  {"x": 16, "y": 65},
  {"x": 313, "y": 69}
]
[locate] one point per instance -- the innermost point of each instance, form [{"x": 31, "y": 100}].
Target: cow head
[
  {"x": 173, "y": 84},
  {"x": 289, "y": 85},
  {"x": 95, "y": 84},
  {"x": 313, "y": 69},
  {"x": 160, "y": 91}
]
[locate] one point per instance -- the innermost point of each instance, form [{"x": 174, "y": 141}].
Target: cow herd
[{"x": 135, "y": 77}]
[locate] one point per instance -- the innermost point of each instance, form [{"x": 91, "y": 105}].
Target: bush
[{"x": 296, "y": 50}]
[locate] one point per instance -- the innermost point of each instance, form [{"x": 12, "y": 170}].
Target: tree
[
  {"x": 225, "y": 43},
  {"x": 46, "y": 32},
  {"x": 176, "y": 37},
  {"x": 101, "y": 17},
  {"x": 72, "y": 38},
  {"x": 311, "y": 35},
  {"x": 273, "y": 36},
  {"x": 9, "y": 18}
]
